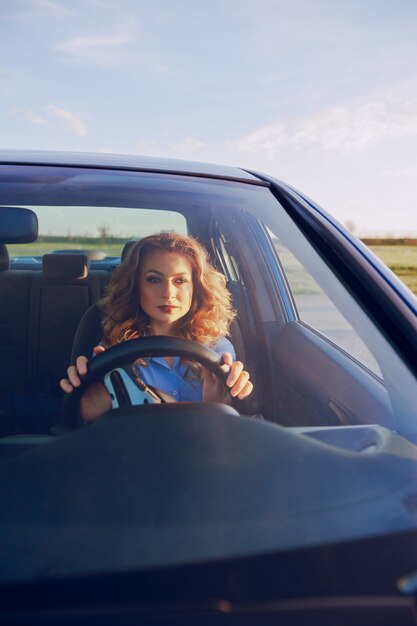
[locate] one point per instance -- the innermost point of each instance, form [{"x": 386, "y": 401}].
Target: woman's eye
[
  {"x": 181, "y": 280},
  {"x": 152, "y": 279}
]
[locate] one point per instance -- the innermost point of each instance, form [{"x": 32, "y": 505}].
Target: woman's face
[{"x": 165, "y": 289}]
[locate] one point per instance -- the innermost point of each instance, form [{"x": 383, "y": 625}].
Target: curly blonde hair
[{"x": 211, "y": 310}]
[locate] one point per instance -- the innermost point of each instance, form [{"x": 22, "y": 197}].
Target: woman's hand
[
  {"x": 238, "y": 383},
  {"x": 96, "y": 399}
]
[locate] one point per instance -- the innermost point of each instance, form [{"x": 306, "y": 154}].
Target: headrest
[
  {"x": 65, "y": 266},
  {"x": 93, "y": 255},
  {"x": 126, "y": 248},
  {"x": 4, "y": 258}
]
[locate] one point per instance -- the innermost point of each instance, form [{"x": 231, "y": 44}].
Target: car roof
[{"x": 127, "y": 162}]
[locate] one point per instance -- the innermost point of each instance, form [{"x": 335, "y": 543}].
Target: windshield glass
[
  {"x": 103, "y": 229},
  {"x": 327, "y": 430}
]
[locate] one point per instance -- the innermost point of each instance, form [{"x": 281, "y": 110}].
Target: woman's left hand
[{"x": 237, "y": 383}]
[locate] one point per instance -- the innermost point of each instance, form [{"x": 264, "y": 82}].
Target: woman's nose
[{"x": 169, "y": 289}]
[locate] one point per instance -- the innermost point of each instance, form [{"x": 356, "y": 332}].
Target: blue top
[{"x": 172, "y": 380}]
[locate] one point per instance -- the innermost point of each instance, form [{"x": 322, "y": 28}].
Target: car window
[
  {"x": 318, "y": 311},
  {"x": 95, "y": 228},
  {"x": 310, "y": 278}
]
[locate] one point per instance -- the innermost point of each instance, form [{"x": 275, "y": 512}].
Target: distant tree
[
  {"x": 350, "y": 225},
  {"x": 103, "y": 233}
]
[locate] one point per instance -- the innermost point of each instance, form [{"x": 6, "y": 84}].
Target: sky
[{"x": 321, "y": 94}]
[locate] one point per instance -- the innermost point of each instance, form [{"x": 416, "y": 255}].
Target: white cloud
[
  {"x": 46, "y": 115},
  {"x": 106, "y": 150},
  {"x": 405, "y": 172},
  {"x": 30, "y": 10},
  {"x": 95, "y": 49},
  {"x": 35, "y": 118},
  {"x": 72, "y": 121},
  {"x": 51, "y": 7},
  {"x": 118, "y": 48},
  {"x": 188, "y": 145},
  {"x": 339, "y": 127},
  {"x": 144, "y": 147}
]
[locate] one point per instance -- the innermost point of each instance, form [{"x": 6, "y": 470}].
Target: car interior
[
  {"x": 48, "y": 318},
  {"x": 304, "y": 375}
]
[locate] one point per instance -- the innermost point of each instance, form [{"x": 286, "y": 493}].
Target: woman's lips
[{"x": 167, "y": 308}]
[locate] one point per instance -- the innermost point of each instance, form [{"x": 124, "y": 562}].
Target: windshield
[{"x": 324, "y": 440}]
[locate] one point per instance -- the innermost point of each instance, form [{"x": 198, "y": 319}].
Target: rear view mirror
[{"x": 17, "y": 225}]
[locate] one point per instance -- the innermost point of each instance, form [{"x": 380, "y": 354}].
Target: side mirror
[{"x": 17, "y": 225}]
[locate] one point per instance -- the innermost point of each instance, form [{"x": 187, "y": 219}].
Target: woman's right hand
[{"x": 95, "y": 399}]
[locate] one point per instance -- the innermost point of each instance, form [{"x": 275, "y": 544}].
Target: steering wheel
[{"x": 127, "y": 352}]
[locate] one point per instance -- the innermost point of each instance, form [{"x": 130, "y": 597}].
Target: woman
[{"x": 166, "y": 286}]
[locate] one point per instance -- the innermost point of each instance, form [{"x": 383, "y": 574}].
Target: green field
[
  {"x": 38, "y": 248},
  {"x": 402, "y": 260}
]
